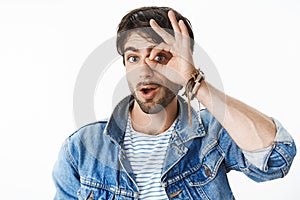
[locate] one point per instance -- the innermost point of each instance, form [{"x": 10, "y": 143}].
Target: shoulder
[
  {"x": 88, "y": 133},
  {"x": 82, "y": 141}
]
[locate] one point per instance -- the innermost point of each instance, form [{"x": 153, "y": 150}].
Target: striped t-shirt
[{"x": 146, "y": 154}]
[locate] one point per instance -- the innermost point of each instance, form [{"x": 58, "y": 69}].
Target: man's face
[{"x": 152, "y": 91}]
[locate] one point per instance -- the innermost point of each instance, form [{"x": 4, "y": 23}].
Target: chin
[{"x": 152, "y": 106}]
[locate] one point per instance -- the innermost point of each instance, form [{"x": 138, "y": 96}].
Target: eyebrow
[
  {"x": 130, "y": 49},
  {"x": 136, "y": 50}
]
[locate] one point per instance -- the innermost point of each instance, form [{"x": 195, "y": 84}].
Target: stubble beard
[{"x": 155, "y": 106}]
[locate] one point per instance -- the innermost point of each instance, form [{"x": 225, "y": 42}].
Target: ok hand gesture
[{"x": 180, "y": 67}]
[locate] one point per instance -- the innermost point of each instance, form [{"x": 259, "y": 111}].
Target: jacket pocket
[
  {"x": 92, "y": 189},
  {"x": 206, "y": 171},
  {"x": 89, "y": 193}
]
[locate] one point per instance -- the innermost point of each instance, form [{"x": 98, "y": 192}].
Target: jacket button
[
  {"x": 174, "y": 194},
  {"x": 91, "y": 197},
  {"x": 207, "y": 170}
]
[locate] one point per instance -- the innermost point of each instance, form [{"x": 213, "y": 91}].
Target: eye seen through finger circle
[
  {"x": 160, "y": 58},
  {"x": 163, "y": 58}
]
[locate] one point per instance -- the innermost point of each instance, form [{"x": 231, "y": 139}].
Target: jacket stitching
[{"x": 70, "y": 157}]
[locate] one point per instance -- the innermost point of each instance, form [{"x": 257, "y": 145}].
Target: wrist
[
  {"x": 191, "y": 89},
  {"x": 190, "y": 73},
  {"x": 193, "y": 84}
]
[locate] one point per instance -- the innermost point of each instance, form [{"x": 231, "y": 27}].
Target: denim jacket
[{"x": 92, "y": 163}]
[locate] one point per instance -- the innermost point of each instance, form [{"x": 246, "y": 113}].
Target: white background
[{"x": 255, "y": 46}]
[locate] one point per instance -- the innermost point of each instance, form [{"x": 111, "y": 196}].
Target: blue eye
[
  {"x": 160, "y": 58},
  {"x": 132, "y": 59}
]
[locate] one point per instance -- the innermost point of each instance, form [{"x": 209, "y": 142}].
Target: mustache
[{"x": 144, "y": 83}]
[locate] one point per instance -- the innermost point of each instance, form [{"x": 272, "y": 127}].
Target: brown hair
[{"x": 138, "y": 19}]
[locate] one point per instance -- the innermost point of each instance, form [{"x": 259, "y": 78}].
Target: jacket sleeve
[
  {"x": 65, "y": 175},
  {"x": 259, "y": 158},
  {"x": 270, "y": 163},
  {"x": 277, "y": 162},
  {"x": 267, "y": 164}
]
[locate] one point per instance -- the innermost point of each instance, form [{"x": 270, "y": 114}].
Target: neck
[{"x": 154, "y": 124}]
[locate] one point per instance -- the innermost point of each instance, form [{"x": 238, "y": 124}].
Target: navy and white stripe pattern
[{"x": 146, "y": 154}]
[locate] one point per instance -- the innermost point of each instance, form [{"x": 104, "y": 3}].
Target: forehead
[{"x": 139, "y": 41}]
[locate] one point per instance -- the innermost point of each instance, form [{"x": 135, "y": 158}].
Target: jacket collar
[{"x": 117, "y": 123}]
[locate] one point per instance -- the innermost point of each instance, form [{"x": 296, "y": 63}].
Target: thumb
[
  {"x": 165, "y": 70},
  {"x": 156, "y": 66}
]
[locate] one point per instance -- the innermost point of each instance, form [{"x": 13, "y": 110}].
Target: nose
[
  {"x": 145, "y": 71},
  {"x": 141, "y": 72}
]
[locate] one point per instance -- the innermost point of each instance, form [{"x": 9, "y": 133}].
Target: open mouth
[{"x": 148, "y": 90}]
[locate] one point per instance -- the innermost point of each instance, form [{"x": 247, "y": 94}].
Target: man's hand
[{"x": 180, "y": 67}]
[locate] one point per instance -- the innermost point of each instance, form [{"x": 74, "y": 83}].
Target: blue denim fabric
[{"x": 92, "y": 163}]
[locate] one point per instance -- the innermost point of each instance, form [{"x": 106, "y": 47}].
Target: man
[{"x": 155, "y": 146}]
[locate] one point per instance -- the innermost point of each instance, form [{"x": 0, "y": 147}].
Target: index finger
[
  {"x": 167, "y": 37},
  {"x": 175, "y": 24}
]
